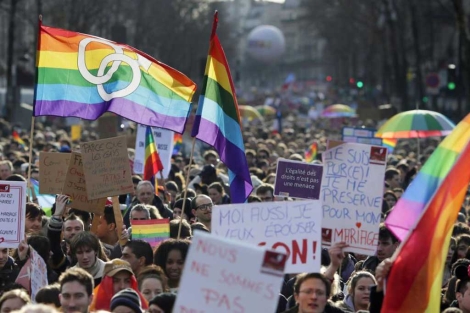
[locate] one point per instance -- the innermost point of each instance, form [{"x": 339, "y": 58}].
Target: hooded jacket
[{"x": 8, "y": 273}]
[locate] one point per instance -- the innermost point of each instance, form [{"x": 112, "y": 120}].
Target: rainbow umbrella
[
  {"x": 266, "y": 110},
  {"x": 250, "y": 113},
  {"x": 416, "y": 124},
  {"x": 338, "y": 110}
]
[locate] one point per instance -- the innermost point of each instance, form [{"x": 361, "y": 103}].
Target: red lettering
[
  {"x": 215, "y": 250},
  {"x": 183, "y": 309},
  {"x": 202, "y": 269},
  {"x": 297, "y": 252},
  {"x": 281, "y": 244},
  {"x": 222, "y": 300}
]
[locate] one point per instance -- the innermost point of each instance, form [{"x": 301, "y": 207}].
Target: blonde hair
[{"x": 15, "y": 293}]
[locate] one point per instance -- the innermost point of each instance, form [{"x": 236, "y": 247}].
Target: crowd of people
[{"x": 107, "y": 270}]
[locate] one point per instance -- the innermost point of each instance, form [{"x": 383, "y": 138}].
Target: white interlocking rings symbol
[{"x": 116, "y": 59}]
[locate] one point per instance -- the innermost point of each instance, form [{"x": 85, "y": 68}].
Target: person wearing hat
[
  {"x": 117, "y": 276},
  {"x": 126, "y": 301}
]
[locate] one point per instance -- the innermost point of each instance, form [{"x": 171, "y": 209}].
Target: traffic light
[
  {"x": 451, "y": 77},
  {"x": 329, "y": 78},
  {"x": 352, "y": 80},
  {"x": 359, "y": 84}
]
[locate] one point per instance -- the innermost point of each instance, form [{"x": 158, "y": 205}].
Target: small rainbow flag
[
  {"x": 18, "y": 139},
  {"x": 85, "y": 76},
  {"x": 177, "y": 143},
  {"x": 152, "y": 164},
  {"x": 152, "y": 231},
  {"x": 311, "y": 152},
  {"x": 389, "y": 143}
]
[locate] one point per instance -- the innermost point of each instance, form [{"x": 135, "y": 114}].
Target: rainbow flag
[
  {"x": 85, "y": 76},
  {"x": 217, "y": 120},
  {"x": 177, "y": 143},
  {"x": 389, "y": 143},
  {"x": 18, "y": 139},
  {"x": 152, "y": 164},
  {"x": 412, "y": 203},
  {"x": 152, "y": 231},
  {"x": 311, "y": 152},
  {"x": 415, "y": 281}
]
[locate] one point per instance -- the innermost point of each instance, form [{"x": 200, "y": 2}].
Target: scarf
[{"x": 96, "y": 270}]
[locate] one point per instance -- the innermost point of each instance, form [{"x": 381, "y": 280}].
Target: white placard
[
  {"x": 38, "y": 273},
  {"x": 12, "y": 213},
  {"x": 291, "y": 227},
  {"x": 222, "y": 275},
  {"x": 352, "y": 193},
  {"x": 164, "y": 141}
]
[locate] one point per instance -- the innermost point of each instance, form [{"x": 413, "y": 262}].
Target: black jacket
[{"x": 8, "y": 273}]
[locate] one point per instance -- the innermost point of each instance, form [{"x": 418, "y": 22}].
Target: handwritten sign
[
  {"x": 231, "y": 277},
  {"x": 352, "y": 192},
  {"x": 38, "y": 273},
  {"x": 292, "y": 227},
  {"x": 53, "y": 167},
  {"x": 75, "y": 187},
  {"x": 12, "y": 213},
  {"x": 106, "y": 166},
  {"x": 297, "y": 179},
  {"x": 164, "y": 142}
]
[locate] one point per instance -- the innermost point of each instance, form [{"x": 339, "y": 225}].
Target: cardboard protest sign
[
  {"x": 38, "y": 272},
  {"x": 106, "y": 167},
  {"x": 231, "y": 277},
  {"x": 108, "y": 125},
  {"x": 292, "y": 227},
  {"x": 75, "y": 187},
  {"x": 297, "y": 179},
  {"x": 164, "y": 142},
  {"x": 52, "y": 169},
  {"x": 352, "y": 192},
  {"x": 12, "y": 213}
]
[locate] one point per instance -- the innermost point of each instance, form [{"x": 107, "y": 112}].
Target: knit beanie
[{"x": 127, "y": 297}]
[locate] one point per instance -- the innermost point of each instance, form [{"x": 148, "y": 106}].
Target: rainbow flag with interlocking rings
[
  {"x": 85, "y": 76},
  {"x": 152, "y": 231}
]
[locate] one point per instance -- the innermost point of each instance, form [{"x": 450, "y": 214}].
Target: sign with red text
[
  {"x": 106, "y": 167},
  {"x": 291, "y": 227},
  {"x": 75, "y": 187},
  {"x": 231, "y": 276},
  {"x": 52, "y": 169},
  {"x": 38, "y": 272},
  {"x": 12, "y": 213},
  {"x": 352, "y": 194}
]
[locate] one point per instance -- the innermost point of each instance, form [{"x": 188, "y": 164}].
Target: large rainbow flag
[
  {"x": 217, "y": 120},
  {"x": 431, "y": 176},
  {"x": 152, "y": 231},
  {"x": 415, "y": 281},
  {"x": 85, "y": 76}
]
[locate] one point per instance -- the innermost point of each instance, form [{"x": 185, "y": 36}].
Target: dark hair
[
  {"x": 252, "y": 199},
  {"x": 152, "y": 271},
  {"x": 217, "y": 186},
  {"x": 265, "y": 150},
  {"x": 84, "y": 216},
  {"x": 84, "y": 239},
  {"x": 194, "y": 201},
  {"x": 33, "y": 210},
  {"x": 385, "y": 234},
  {"x": 165, "y": 301},
  {"x": 460, "y": 228},
  {"x": 301, "y": 278},
  {"x": 264, "y": 188},
  {"x": 187, "y": 206},
  {"x": 391, "y": 172},
  {"x": 161, "y": 254},
  {"x": 109, "y": 214},
  {"x": 185, "y": 228},
  {"x": 79, "y": 275},
  {"x": 16, "y": 177},
  {"x": 141, "y": 249},
  {"x": 452, "y": 310},
  {"x": 49, "y": 295},
  {"x": 172, "y": 186},
  {"x": 210, "y": 153},
  {"x": 136, "y": 179}
]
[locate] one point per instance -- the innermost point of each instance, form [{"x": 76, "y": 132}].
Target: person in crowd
[
  {"x": 387, "y": 245},
  {"x": 265, "y": 192},
  {"x": 162, "y": 303},
  {"x": 398, "y": 192},
  {"x": 187, "y": 214},
  {"x": 106, "y": 230},
  {"x": 173, "y": 190},
  {"x": 392, "y": 177},
  {"x": 211, "y": 157},
  {"x": 358, "y": 297},
  {"x": 9, "y": 270},
  {"x": 86, "y": 248},
  {"x": 390, "y": 198},
  {"x": 202, "y": 208},
  {"x": 138, "y": 254},
  {"x": 126, "y": 301},
  {"x": 6, "y": 169},
  {"x": 13, "y": 300},
  {"x": 117, "y": 276},
  {"x": 217, "y": 194},
  {"x": 152, "y": 281},
  {"x": 76, "y": 290},
  {"x": 49, "y": 295},
  {"x": 170, "y": 256},
  {"x": 185, "y": 232},
  {"x": 33, "y": 220},
  {"x": 209, "y": 175},
  {"x": 463, "y": 243}
]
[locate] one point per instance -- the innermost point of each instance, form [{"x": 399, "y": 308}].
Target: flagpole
[
  {"x": 186, "y": 187},
  {"x": 30, "y": 187}
]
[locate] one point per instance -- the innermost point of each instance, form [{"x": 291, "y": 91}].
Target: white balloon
[{"x": 266, "y": 43}]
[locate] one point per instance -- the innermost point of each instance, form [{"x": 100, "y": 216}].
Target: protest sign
[
  {"x": 12, "y": 213},
  {"x": 361, "y": 135},
  {"x": 231, "y": 277},
  {"x": 75, "y": 187},
  {"x": 351, "y": 195},
  {"x": 152, "y": 231},
  {"x": 292, "y": 227},
  {"x": 297, "y": 179},
  {"x": 38, "y": 272},
  {"x": 164, "y": 143},
  {"x": 52, "y": 169},
  {"x": 106, "y": 168}
]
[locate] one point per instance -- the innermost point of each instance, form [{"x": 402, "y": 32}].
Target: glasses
[
  {"x": 310, "y": 292},
  {"x": 266, "y": 198},
  {"x": 205, "y": 207}
]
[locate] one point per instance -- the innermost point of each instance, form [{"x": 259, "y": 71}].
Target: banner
[
  {"x": 151, "y": 231},
  {"x": 164, "y": 141},
  {"x": 297, "y": 179},
  {"x": 52, "y": 169},
  {"x": 291, "y": 227},
  {"x": 231, "y": 277},
  {"x": 38, "y": 273},
  {"x": 352, "y": 194},
  {"x": 12, "y": 213}
]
